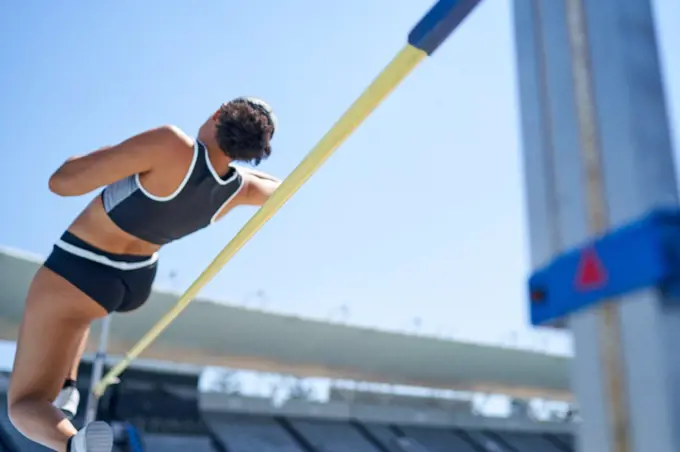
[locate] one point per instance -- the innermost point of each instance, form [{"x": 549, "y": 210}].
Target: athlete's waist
[
  {"x": 97, "y": 228},
  {"x": 76, "y": 246}
]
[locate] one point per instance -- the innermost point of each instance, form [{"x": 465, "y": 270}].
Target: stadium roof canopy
[{"x": 210, "y": 333}]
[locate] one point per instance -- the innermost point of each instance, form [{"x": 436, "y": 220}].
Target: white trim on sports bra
[
  {"x": 94, "y": 257},
  {"x": 179, "y": 189},
  {"x": 225, "y": 203},
  {"x": 214, "y": 173}
]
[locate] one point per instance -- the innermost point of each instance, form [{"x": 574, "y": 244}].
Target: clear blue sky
[{"x": 420, "y": 214}]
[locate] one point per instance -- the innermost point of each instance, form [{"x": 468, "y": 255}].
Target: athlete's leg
[
  {"x": 73, "y": 372},
  {"x": 56, "y": 317},
  {"x": 69, "y": 396}
]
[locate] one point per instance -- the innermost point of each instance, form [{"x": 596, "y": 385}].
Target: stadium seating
[
  {"x": 527, "y": 442},
  {"x": 233, "y": 432},
  {"x": 567, "y": 441},
  {"x": 385, "y": 436},
  {"x": 174, "y": 443},
  {"x": 333, "y": 436},
  {"x": 251, "y": 433},
  {"x": 438, "y": 440},
  {"x": 488, "y": 442}
]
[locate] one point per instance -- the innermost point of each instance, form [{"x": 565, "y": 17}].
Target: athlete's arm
[
  {"x": 260, "y": 174},
  {"x": 80, "y": 175},
  {"x": 260, "y": 186}
]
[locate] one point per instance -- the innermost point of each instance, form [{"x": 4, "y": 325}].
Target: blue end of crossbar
[
  {"x": 439, "y": 23},
  {"x": 642, "y": 254}
]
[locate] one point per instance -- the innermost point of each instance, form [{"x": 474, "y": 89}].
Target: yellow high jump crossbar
[{"x": 428, "y": 34}]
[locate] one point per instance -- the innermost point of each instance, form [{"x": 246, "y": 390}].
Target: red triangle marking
[{"x": 591, "y": 273}]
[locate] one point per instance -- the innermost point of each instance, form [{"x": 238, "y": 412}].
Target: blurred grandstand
[{"x": 162, "y": 405}]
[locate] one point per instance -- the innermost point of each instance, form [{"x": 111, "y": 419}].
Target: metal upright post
[
  {"x": 97, "y": 370},
  {"x": 597, "y": 155}
]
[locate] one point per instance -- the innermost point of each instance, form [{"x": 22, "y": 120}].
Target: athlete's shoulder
[
  {"x": 173, "y": 137},
  {"x": 170, "y": 146}
]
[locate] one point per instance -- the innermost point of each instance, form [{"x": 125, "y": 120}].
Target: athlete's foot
[
  {"x": 94, "y": 437},
  {"x": 67, "y": 401}
]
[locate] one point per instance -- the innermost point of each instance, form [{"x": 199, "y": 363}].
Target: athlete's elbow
[
  {"x": 63, "y": 186},
  {"x": 56, "y": 184}
]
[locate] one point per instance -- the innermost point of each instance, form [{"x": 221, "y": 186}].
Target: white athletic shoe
[
  {"x": 96, "y": 436},
  {"x": 67, "y": 401}
]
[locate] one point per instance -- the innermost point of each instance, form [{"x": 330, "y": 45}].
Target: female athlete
[{"x": 160, "y": 186}]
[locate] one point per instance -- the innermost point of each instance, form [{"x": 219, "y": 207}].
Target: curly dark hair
[{"x": 244, "y": 132}]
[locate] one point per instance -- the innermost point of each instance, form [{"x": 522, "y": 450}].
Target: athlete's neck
[{"x": 218, "y": 160}]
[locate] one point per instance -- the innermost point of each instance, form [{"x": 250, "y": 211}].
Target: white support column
[{"x": 597, "y": 154}]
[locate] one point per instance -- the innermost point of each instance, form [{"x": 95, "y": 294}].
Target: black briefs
[{"x": 118, "y": 282}]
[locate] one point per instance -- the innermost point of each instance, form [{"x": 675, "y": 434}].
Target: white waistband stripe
[{"x": 94, "y": 257}]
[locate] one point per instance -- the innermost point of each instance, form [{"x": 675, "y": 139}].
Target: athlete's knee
[
  {"x": 23, "y": 405},
  {"x": 19, "y": 413},
  {"x": 14, "y": 414}
]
